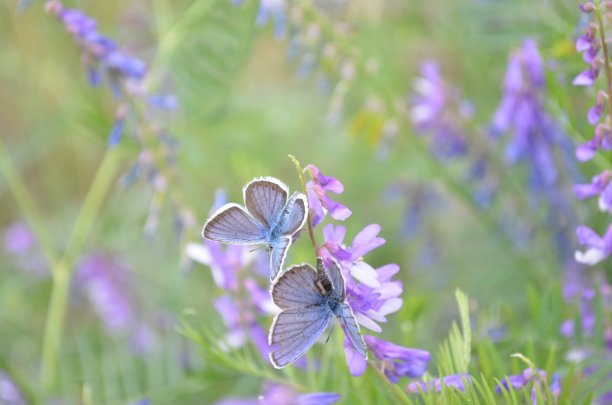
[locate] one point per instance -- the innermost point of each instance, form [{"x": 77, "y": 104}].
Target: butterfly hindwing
[
  {"x": 296, "y": 214},
  {"x": 294, "y": 331},
  {"x": 265, "y": 199},
  {"x": 232, "y": 224},
  {"x": 278, "y": 253},
  {"x": 351, "y": 329}
]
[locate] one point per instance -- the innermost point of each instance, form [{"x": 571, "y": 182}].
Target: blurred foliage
[{"x": 243, "y": 109}]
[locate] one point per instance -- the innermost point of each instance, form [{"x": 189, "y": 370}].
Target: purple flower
[
  {"x": 587, "y": 77},
  {"x": 18, "y": 238},
  {"x": 356, "y": 363},
  {"x": 588, "y": 44},
  {"x": 396, "y": 361},
  {"x": 598, "y": 248},
  {"x": 318, "y": 200},
  {"x": 518, "y": 381},
  {"x": 601, "y": 140},
  {"x": 599, "y": 185},
  {"x": 9, "y": 392},
  {"x": 104, "y": 281},
  {"x": 454, "y": 381},
  {"x": 596, "y": 112},
  {"x": 24, "y": 251},
  {"x": 437, "y": 111},
  {"x": 371, "y": 293}
]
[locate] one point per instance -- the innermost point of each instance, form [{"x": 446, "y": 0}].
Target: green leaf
[{"x": 204, "y": 51}]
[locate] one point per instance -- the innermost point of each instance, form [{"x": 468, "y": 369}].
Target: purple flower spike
[
  {"x": 104, "y": 281},
  {"x": 398, "y": 361},
  {"x": 319, "y": 202},
  {"x": 598, "y": 248},
  {"x": 454, "y": 381}
]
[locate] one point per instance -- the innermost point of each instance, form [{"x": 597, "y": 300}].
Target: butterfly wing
[
  {"x": 265, "y": 199},
  {"x": 278, "y": 253},
  {"x": 294, "y": 331},
  {"x": 351, "y": 329},
  {"x": 296, "y": 214},
  {"x": 232, "y": 224},
  {"x": 335, "y": 276},
  {"x": 296, "y": 288}
]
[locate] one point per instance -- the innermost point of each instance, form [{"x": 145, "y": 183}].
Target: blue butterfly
[
  {"x": 309, "y": 299},
  {"x": 270, "y": 219}
]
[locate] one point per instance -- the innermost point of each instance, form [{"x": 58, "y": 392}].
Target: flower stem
[
  {"x": 54, "y": 325},
  {"x": 26, "y": 203},
  {"x": 313, "y": 239},
  {"x": 401, "y": 397},
  {"x": 62, "y": 270},
  {"x": 604, "y": 47}
]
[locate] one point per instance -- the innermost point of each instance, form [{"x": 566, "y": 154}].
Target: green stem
[
  {"x": 62, "y": 271},
  {"x": 54, "y": 325},
  {"x": 604, "y": 47},
  {"x": 396, "y": 391},
  {"x": 102, "y": 182},
  {"x": 313, "y": 239},
  {"x": 26, "y": 203}
]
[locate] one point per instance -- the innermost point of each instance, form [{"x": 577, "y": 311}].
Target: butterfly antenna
[
  {"x": 330, "y": 332},
  {"x": 256, "y": 249}
]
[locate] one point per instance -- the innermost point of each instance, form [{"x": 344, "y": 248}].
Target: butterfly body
[
  {"x": 310, "y": 299},
  {"x": 269, "y": 219}
]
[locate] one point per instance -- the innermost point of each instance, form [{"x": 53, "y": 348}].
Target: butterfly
[
  {"x": 309, "y": 299},
  {"x": 270, "y": 219}
]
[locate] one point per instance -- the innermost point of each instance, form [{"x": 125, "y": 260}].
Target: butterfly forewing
[
  {"x": 296, "y": 288},
  {"x": 351, "y": 329},
  {"x": 265, "y": 199},
  {"x": 294, "y": 331},
  {"x": 335, "y": 275},
  {"x": 278, "y": 252},
  {"x": 232, "y": 224}
]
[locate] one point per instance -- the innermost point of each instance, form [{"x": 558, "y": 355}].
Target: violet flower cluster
[
  {"x": 240, "y": 276},
  {"x": 589, "y": 44},
  {"x": 433, "y": 113},
  {"x": 371, "y": 293},
  {"x": 443, "y": 117},
  {"x": 105, "y": 282},
  {"x": 538, "y": 142},
  {"x": 140, "y": 113}
]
